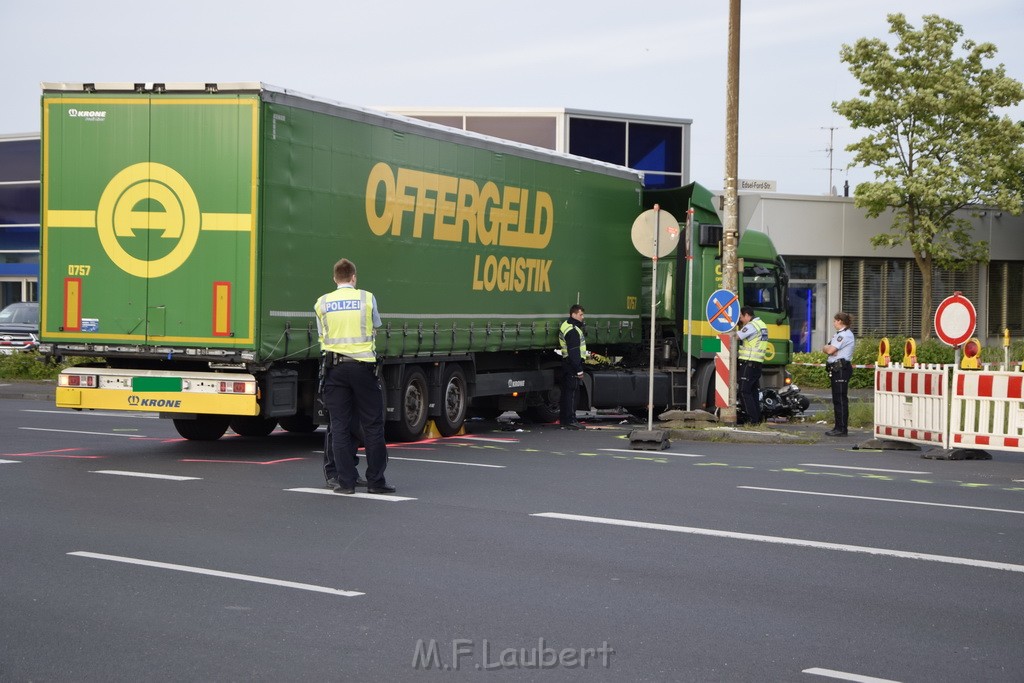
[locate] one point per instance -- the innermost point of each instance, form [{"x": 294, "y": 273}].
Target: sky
[{"x": 658, "y": 57}]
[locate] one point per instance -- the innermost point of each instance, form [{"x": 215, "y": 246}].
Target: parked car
[{"x": 19, "y": 327}]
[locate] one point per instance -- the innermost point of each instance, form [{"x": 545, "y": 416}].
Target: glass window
[
  {"x": 597, "y": 139},
  {"x": 1005, "y": 298},
  {"x": 802, "y": 268},
  {"x": 761, "y": 288},
  {"x": 655, "y": 148},
  {"x": 19, "y": 160},
  {"x": 19, "y": 204},
  {"x": 884, "y": 295}
]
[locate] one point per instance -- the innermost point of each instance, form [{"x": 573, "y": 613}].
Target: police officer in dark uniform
[
  {"x": 574, "y": 349},
  {"x": 753, "y": 338},
  {"x": 346, "y": 318},
  {"x": 840, "y": 368}
]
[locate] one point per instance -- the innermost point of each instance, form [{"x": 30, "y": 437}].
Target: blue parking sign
[{"x": 723, "y": 310}]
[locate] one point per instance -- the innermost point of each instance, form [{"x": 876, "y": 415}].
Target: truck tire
[
  {"x": 412, "y": 407},
  {"x": 549, "y": 409},
  {"x": 298, "y": 424},
  {"x": 705, "y": 388},
  {"x": 454, "y": 401},
  {"x": 252, "y": 425},
  {"x": 203, "y": 428}
]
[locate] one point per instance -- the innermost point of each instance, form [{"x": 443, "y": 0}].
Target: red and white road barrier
[
  {"x": 988, "y": 410},
  {"x": 911, "y": 404}
]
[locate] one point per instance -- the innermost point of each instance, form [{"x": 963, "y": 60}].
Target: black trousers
[
  {"x": 748, "y": 384},
  {"x": 839, "y": 373},
  {"x": 570, "y": 387},
  {"x": 352, "y": 391},
  {"x": 330, "y": 469}
]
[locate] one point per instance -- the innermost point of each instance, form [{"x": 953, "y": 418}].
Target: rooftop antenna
[{"x": 830, "y": 150}]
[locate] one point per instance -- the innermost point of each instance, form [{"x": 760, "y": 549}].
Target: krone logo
[
  {"x": 149, "y": 196},
  {"x": 116, "y": 216},
  {"x": 133, "y": 400}
]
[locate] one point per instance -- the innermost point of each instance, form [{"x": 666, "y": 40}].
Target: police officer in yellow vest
[
  {"x": 753, "y": 338},
  {"x": 346, "y": 318},
  {"x": 574, "y": 350}
]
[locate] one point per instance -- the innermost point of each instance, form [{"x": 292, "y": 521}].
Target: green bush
[{"x": 32, "y": 365}]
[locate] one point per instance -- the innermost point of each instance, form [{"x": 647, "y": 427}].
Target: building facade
[
  {"x": 826, "y": 242},
  {"x": 659, "y": 146},
  {"x": 19, "y": 218}
]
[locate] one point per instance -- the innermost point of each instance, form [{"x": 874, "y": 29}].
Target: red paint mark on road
[{"x": 59, "y": 453}]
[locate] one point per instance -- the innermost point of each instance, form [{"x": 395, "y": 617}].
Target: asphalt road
[{"x": 129, "y": 554}]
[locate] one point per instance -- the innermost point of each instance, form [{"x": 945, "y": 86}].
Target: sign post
[{"x": 655, "y": 233}]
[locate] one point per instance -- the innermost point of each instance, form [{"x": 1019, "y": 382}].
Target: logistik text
[{"x": 451, "y": 209}]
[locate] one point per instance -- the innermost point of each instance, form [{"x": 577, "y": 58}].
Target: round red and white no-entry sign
[{"x": 955, "y": 319}]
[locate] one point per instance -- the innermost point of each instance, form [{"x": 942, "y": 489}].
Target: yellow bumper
[{"x": 157, "y": 402}]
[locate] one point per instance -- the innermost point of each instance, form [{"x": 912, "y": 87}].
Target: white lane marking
[
  {"x": 482, "y": 438},
  {"x": 781, "y": 540},
  {"x": 9, "y": 462},
  {"x": 125, "y": 473},
  {"x": 884, "y": 500},
  {"x": 215, "y": 572},
  {"x": 450, "y": 462},
  {"x": 368, "y": 496},
  {"x": 439, "y": 462},
  {"x": 846, "y": 676},
  {"x": 866, "y": 469},
  {"x": 71, "y": 431},
  {"x": 140, "y": 416},
  {"x": 630, "y": 450}
]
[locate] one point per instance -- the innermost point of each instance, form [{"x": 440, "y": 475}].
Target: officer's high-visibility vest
[
  {"x": 346, "y": 316},
  {"x": 564, "y": 330},
  {"x": 754, "y": 347}
]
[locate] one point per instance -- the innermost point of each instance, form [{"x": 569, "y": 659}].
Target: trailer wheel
[
  {"x": 298, "y": 423},
  {"x": 246, "y": 425},
  {"x": 454, "y": 401},
  {"x": 549, "y": 409},
  {"x": 203, "y": 428},
  {"x": 412, "y": 407}
]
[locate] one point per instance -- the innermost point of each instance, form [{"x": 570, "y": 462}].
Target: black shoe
[
  {"x": 836, "y": 432},
  {"x": 344, "y": 491},
  {"x": 332, "y": 482},
  {"x": 573, "y": 425},
  {"x": 381, "y": 489},
  {"x": 360, "y": 482}
]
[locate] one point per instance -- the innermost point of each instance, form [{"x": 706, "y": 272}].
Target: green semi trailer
[{"x": 187, "y": 231}]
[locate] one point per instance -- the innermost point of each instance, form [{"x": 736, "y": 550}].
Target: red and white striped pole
[{"x": 722, "y": 371}]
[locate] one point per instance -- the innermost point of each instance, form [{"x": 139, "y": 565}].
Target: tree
[{"x": 935, "y": 140}]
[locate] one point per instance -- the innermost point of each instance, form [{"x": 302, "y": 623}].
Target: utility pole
[{"x": 730, "y": 219}]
